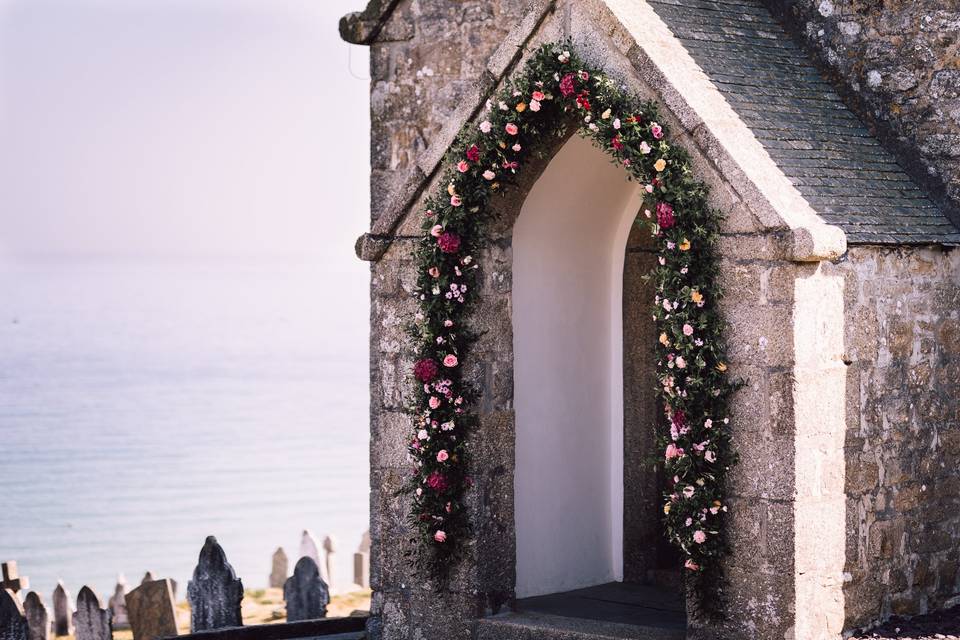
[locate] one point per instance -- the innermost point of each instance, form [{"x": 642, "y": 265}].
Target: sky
[{"x": 168, "y": 128}]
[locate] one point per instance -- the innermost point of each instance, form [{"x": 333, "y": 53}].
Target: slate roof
[{"x": 822, "y": 148}]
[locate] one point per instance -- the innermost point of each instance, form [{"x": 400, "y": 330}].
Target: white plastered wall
[{"x": 568, "y": 252}]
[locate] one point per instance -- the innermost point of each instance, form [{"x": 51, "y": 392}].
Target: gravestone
[
  {"x": 329, "y": 552},
  {"x": 118, "y": 604},
  {"x": 148, "y": 577},
  {"x": 308, "y": 547},
  {"x": 361, "y": 562},
  {"x": 38, "y": 618},
  {"x": 12, "y": 579},
  {"x": 215, "y": 592},
  {"x": 62, "y": 611},
  {"x": 91, "y": 621},
  {"x": 278, "y": 573},
  {"x": 151, "y": 610},
  {"x": 305, "y": 592},
  {"x": 13, "y": 622}
]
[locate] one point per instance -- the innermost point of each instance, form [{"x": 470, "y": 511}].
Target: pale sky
[{"x": 181, "y": 127}]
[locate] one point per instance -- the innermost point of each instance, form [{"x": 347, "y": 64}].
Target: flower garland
[{"x": 555, "y": 88}]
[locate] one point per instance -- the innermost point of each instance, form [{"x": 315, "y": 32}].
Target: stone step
[{"x": 542, "y": 626}]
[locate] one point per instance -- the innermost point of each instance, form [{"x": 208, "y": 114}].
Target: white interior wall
[{"x": 568, "y": 252}]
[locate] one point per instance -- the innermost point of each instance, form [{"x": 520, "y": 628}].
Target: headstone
[
  {"x": 215, "y": 591},
  {"x": 308, "y": 547},
  {"x": 12, "y": 579},
  {"x": 278, "y": 573},
  {"x": 38, "y": 618},
  {"x": 118, "y": 604},
  {"x": 151, "y": 610},
  {"x": 62, "y": 611},
  {"x": 305, "y": 592},
  {"x": 361, "y": 562},
  {"x": 148, "y": 577},
  {"x": 329, "y": 552},
  {"x": 13, "y": 622},
  {"x": 91, "y": 621}
]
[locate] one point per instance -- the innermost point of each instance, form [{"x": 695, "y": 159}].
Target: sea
[{"x": 148, "y": 403}]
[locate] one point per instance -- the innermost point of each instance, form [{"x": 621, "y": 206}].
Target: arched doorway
[{"x": 569, "y": 365}]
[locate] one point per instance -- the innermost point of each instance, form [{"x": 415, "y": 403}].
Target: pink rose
[
  {"x": 656, "y": 130},
  {"x": 687, "y": 330},
  {"x": 485, "y": 126},
  {"x": 450, "y": 360},
  {"x": 512, "y": 129},
  {"x": 436, "y": 231},
  {"x": 699, "y": 537},
  {"x": 434, "y": 402},
  {"x": 534, "y": 105},
  {"x": 690, "y": 564},
  {"x": 489, "y": 175},
  {"x": 455, "y": 201},
  {"x": 538, "y": 96},
  {"x": 442, "y": 455},
  {"x": 440, "y": 536},
  {"x": 434, "y": 272},
  {"x": 673, "y": 451},
  {"x": 463, "y": 166},
  {"x": 710, "y": 456}
]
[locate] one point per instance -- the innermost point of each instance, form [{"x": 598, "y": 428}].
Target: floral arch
[{"x": 554, "y": 91}]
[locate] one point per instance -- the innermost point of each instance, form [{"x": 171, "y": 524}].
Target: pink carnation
[
  {"x": 426, "y": 370},
  {"x": 434, "y": 402},
  {"x": 665, "y": 216},
  {"x": 463, "y": 166},
  {"x": 440, "y": 536},
  {"x": 449, "y": 242},
  {"x": 450, "y": 360}
]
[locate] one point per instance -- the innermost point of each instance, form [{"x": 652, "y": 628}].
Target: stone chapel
[{"x": 828, "y": 133}]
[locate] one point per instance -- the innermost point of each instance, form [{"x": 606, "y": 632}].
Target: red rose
[
  {"x": 616, "y": 142},
  {"x": 473, "y": 153},
  {"x": 665, "y": 215},
  {"x": 582, "y": 100},
  {"x": 449, "y": 242},
  {"x": 566, "y": 86},
  {"x": 426, "y": 370},
  {"x": 438, "y": 482},
  {"x": 679, "y": 419}
]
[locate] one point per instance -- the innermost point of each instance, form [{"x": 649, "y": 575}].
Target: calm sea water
[{"x": 145, "y": 405}]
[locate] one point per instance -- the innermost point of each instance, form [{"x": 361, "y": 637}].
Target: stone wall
[
  {"x": 903, "y": 431},
  {"x": 428, "y": 54},
  {"x": 897, "y": 63}
]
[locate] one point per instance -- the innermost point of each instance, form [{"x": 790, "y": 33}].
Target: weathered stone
[
  {"x": 215, "y": 592},
  {"x": 152, "y": 610},
  {"x": 148, "y": 577},
  {"x": 279, "y": 568},
  {"x": 118, "y": 604},
  {"x": 329, "y": 552},
  {"x": 361, "y": 562},
  {"x": 12, "y": 579},
  {"x": 310, "y": 549},
  {"x": 91, "y": 621},
  {"x": 38, "y": 618},
  {"x": 13, "y": 622},
  {"x": 62, "y": 611},
  {"x": 305, "y": 592}
]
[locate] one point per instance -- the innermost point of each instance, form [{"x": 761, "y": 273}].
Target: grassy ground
[{"x": 265, "y": 606}]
